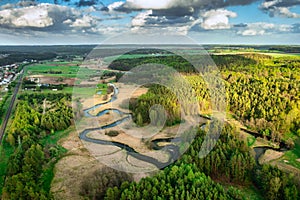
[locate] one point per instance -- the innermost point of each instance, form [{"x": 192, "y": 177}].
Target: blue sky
[{"x": 92, "y": 21}]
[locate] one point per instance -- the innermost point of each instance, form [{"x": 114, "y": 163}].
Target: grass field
[
  {"x": 64, "y": 62},
  {"x": 52, "y": 139},
  {"x": 101, "y": 89},
  {"x": 5, "y": 151},
  {"x": 64, "y": 70},
  {"x": 40, "y": 69},
  {"x": 77, "y": 91},
  {"x": 67, "y": 70},
  {"x": 294, "y": 155}
]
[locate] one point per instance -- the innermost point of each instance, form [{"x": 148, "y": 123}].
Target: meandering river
[{"x": 173, "y": 150}]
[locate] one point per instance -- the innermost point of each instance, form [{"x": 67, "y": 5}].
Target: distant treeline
[
  {"x": 286, "y": 49},
  {"x": 22, "y": 53},
  {"x": 20, "y": 57},
  {"x": 181, "y": 64},
  {"x": 59, "y": 49}
]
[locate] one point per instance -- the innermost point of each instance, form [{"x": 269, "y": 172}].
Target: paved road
[{"x": 11, "y": 105}]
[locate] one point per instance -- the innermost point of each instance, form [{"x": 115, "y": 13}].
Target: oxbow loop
[{"x": 120, "y": 138}]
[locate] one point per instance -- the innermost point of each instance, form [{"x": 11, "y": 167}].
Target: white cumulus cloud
[
  {"x": 115, "y": 5},
  {"x": 217, "y": 19},
  {"x": 86, "y": 21},
  {"x": 141, "y": 18},
  {"x": 262, "y": 28},
  {"x": 47, "y": 17},
  {"x": 146, "y": 4},
  {"x": 32, "y": 16}
]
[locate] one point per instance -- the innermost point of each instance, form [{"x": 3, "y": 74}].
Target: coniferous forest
[
  {"x": 262, "y": 93},
  {"x": 31, "y": 164}
]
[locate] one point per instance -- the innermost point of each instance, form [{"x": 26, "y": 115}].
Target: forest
[
  {"x": 29, "y": 168},
  {"x": 262, "y": 93},
  {"x": 2, "y": 104},
  {"x": 252, "y": 90},
  {"x": 191, "y": 177},
  {"x": 179, "y": 63}
]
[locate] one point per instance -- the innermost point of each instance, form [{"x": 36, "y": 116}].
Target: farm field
[
  {"x": 59, "y": 69},
  {"x": 61, "y": 75},
  {"x": 66, "y": 69}
]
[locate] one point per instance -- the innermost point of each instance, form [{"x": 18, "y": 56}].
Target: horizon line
[{"x": 217, "y": 44}]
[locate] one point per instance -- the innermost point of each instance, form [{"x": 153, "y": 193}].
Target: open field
[
  {"x": 280, "y": 55},
  {"x": 78, "y": 91},
  {"x": 45, "y": 79},
  {"x": 65, "y": 73},
  {"x": 65, "y": 69},
  {"x": 293, "y": 155},
  {"x": 273, "y": 53},
  {"x": 50, "y": 70},
  {"x": 129, "y": 134}
]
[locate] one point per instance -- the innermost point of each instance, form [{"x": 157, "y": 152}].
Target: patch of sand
[
  {"x": 43, "y": 79},
  {"x": 71, "y": 169},
  {"x": 94, "y": 100},
  {"x": 119, "y": 160},
  {"x": 126, "y": 92},
  {"x": 91, "y": 82}
]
